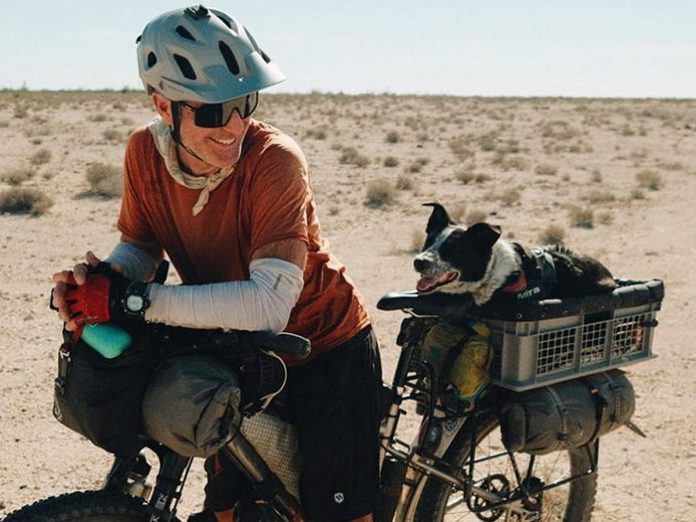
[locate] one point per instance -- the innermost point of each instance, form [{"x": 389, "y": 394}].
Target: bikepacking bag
[
  {"x": 566, "y": 415},
  {"x": 100, "y": 398},
  {"x": 192, "y": 405}
]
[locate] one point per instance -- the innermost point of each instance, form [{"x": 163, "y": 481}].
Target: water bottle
[{"x": 109, "y": 339}]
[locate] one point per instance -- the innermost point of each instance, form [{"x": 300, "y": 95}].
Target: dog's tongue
[{"x": 426, "y": 283}]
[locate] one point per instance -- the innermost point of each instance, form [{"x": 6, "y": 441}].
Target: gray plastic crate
[{"x": 530, "y": 354}]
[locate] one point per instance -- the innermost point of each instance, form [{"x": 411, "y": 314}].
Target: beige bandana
[{"x": 167, "y": 148}]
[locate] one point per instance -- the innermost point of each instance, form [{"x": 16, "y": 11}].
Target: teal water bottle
[{"x": 109, "y": 339}]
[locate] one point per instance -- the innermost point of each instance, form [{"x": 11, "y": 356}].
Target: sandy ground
[{"x": 520, "y": 163}]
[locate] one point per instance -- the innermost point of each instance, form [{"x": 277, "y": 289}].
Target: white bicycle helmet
[{"x": 201, "y": 54}]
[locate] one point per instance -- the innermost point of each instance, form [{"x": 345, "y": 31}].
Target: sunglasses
[{"x": 212, "y": 115}]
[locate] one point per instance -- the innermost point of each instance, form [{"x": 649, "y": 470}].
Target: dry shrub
[
  {"x": 391, "y": 161},
  {"x": 552, "y": 235},
  {"x": 112, "y": 135},
  {"x": 581, "y": 217},
  {"x": 40, "y": 157},
  {"x": 404, "y": 182},
  {"x": 99, "y": 117},
  {"x": 379, "y": 192},
  {"x": 464, "y": 175},
  {"x": 351, "y": 156},
  {"x": 637, "y": 193},
  {"x": 19, "y": 175},
  {"x": 600, "y": 196},
  {"x": 649, "y": 179},
  {"x": 21, "y": 200},
  {"x": 596, "y": 176},
  {"x": 317, "y": 134},
  {"x": 459, "y": 148},
  {"x": 546, "y": 169},
  {"x": 393, "y": 137},
  {"x": 605, "y": 218},
  {"x": 105, "y": 180},
  {"x": 559, "y": 130}
]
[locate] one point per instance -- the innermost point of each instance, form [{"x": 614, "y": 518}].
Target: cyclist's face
[{"x": 219, "y": 147}]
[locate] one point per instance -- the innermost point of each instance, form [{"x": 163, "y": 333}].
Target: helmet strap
[{"x": 176, "y": 136}]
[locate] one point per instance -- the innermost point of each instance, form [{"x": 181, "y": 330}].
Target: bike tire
[
  {"x": 432, "y": 495},
  {"x": 83, "y": 506}
]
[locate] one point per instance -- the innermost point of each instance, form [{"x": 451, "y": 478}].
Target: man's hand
[{"x": 68, "y": 279}]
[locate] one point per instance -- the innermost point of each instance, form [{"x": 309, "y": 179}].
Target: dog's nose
[{"x": 420, "y": 264}]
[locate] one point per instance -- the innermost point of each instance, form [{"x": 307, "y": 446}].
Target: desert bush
[
  {"x": 105, "y": 180},
  {"x": 559, "y": 130},
  {"x": 482, "y": 178},
  {"x": 637, "y": 193},
  {"x": 414, "y": 167},
  {"x": 393, "y": 137},
  {"x": 546, "y": 169},
  {"x": 671, "y": 165},
  {"x": 514, "y": 163},
  {"x": 40, "y": 157},
  {"x": 22, "y": 200},
  {"x": 18, "y": 176},
  {"x": 99, "y": 117},
  {"x": 20, "y": 112},
  {"x": 649, "y": 179},
  {"x": 351, "y": 156},
  {"x": 379, "y": 192},
  {"x": 596, "y": 176},
  {"x": 459, "y": 148},
  {"x": 581, "y": 217},
  {"x": 552, "y": 235},
  {"x": 464, "y": 175},
  {"x": 391, "y": 161},
  {"x": 112, "y": 135},
  {"x": 404, "y": 182},
  {"x": 605, "y": 218},
  {"x": 488, "y": 141},
  {"x": 317, "y": 134},
  {"x": 600, "y": 196}
]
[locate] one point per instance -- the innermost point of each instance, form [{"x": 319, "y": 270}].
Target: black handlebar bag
[{"x": 101, "y": 398}]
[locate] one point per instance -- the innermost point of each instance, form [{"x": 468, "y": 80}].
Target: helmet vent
[
  {"x": 226, "y": 22},
  {"x": 151, "y": 59},
  {"x": 265, "y": 57},
  {"x": 185, "y": 66},
  {"x": 230, "y": 60},
  {"x": 184, "y": 33}
]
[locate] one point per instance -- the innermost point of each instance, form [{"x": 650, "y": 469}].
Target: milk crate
[{"x": 554, "y": 340}]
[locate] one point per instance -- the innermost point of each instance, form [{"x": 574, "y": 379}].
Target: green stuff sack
[{"x": 460, "y": 356}]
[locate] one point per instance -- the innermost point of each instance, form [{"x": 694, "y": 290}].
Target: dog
[{"x": 476, "y": 260}]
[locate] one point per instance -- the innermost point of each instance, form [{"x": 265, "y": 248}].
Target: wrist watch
[{"x": 135, "y": 300}]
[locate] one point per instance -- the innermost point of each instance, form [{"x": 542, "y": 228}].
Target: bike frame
[{"x": 404, "y": 466}]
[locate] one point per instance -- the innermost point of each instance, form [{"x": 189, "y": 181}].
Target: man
[{"x": 228, "y": 199}]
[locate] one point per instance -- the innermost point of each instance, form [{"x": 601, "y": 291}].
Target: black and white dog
[{"x": 475, "y": 260}]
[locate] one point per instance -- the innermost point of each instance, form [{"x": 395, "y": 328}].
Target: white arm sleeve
[
  {"x": 263, "y": 302},
  {"x": 137, "y": 264}
]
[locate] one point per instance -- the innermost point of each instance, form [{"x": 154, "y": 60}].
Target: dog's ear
[
  {"x": 483, "y": 234},
  {"x": 439, "y": 219}
]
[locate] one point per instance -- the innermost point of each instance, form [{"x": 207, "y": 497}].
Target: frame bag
[{"x": 567, "y": 415}]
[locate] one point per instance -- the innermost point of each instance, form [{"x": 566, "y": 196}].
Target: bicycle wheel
[
  {"x": 83, "y": 506},
  {"x": 436, "y": 501}
]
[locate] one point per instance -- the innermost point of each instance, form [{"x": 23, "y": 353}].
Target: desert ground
[{"x": 613, "y": 178}]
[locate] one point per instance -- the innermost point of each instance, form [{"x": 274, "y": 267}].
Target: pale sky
[{"x": 613, "y": 48}]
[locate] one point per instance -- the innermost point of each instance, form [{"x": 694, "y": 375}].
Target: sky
[{"x": 588, "y": 48}]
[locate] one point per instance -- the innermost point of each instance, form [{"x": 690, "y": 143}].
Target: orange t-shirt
[{"x": 267, "y": 198}]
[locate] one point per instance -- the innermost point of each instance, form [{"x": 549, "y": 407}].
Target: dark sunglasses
[{"x": 211, "y": 115}]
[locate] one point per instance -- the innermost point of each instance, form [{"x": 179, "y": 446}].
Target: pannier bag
[
  {"x": 566, "y": 415},
  {"x": 192, "y": 405},
  {"x": 100, "y": 398}
]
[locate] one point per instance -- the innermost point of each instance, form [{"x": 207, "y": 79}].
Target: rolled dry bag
[
  {"x": 192, "y": 405},
  {"x": 566, "y": 415}
]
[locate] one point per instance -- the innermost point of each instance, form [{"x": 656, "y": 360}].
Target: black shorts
[{"x": 335, "y": 403}]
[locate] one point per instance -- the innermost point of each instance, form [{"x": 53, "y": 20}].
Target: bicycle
[{"x": 456, "y": 468}]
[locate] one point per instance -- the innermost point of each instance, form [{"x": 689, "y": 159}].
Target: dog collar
[{"x": 518, "y": 285}]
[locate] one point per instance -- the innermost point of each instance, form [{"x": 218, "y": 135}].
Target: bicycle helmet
[{"x": 201, "y": 54}]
